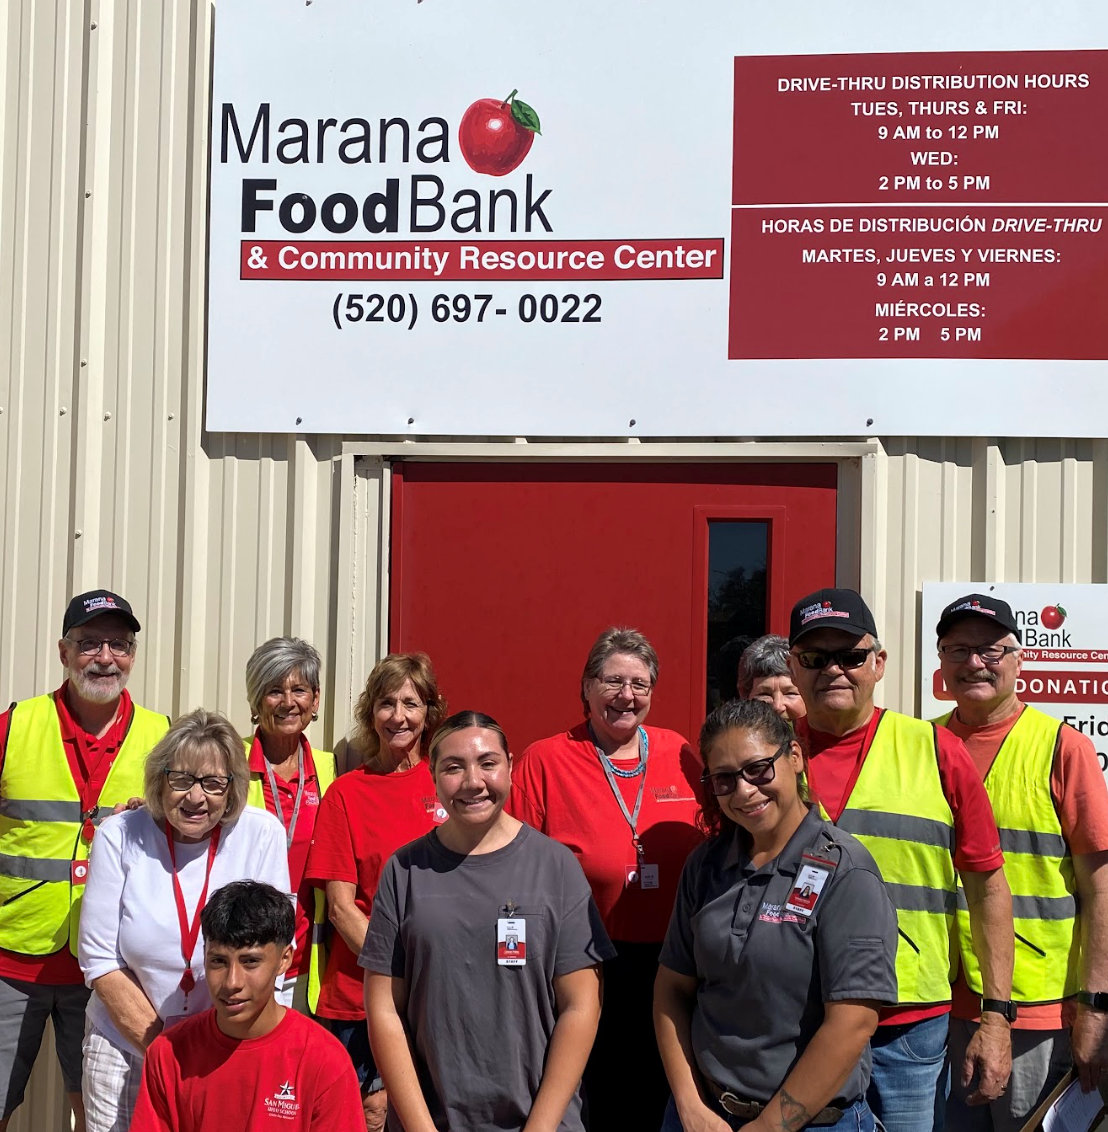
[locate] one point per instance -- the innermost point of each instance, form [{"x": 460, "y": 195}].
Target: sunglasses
[
  {"x": 757, "y": 773},
  {"x": 844, "y": 658}
]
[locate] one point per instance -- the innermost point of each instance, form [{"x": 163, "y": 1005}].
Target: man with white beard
[{"x": 66, "y": 759}]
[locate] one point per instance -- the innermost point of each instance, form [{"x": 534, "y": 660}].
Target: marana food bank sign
[
  {"x": 643, "y": 218},
  {"x": 1065, "y": 651}
]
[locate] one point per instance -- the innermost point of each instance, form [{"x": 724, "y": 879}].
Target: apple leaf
[
  {"x": 1061, "y": 610},
  {"x": 525, "y": 116}
]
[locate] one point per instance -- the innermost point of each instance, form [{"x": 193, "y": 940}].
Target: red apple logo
[
  {"x": 1052, "y": 616},
  {"x": 494, "y": 135}
]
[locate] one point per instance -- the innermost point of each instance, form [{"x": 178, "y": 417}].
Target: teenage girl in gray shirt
[
  {"x": 779, "y": 952},
  {"x": 482, "y": 958}
]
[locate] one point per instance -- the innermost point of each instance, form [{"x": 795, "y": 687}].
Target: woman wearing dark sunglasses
[{"x": 779, "y": 952}]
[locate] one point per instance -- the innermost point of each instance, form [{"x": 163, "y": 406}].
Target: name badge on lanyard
[
  {"x": 810, "y": 882},
  {"x": 640, "y": 874}
]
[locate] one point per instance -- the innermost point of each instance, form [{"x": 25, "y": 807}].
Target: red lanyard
[{"x": 190, "y": 933}]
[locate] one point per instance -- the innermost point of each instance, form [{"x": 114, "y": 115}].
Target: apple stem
[{"x": 508, "y": 100}]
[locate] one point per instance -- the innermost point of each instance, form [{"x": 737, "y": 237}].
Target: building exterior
[{"x": 108, "y": 477}]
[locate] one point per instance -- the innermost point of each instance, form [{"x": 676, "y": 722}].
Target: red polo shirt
[
  {"x": 301, "y": 838},
  {"x": 90, "y": 760}
]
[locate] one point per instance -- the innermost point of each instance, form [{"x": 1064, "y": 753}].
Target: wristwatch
[
  {"x": 1007, "y": 1009},
  {"x": 1098, "y": 1000}
]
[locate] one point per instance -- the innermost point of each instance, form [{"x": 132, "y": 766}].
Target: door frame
[{"x": 365, "y": 470}]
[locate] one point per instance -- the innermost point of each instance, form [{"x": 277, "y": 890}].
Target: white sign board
[
  {"x": 648, "y": 218},
  {"x": 1065, "y": 655}
]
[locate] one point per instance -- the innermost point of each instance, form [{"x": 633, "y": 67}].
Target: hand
[
  {"x": 130, "y": 804},
  {"x": 1090, "y": 1047},
  {"x": 700, "y": 1118},
  {"x": 989, "y": 1058}
]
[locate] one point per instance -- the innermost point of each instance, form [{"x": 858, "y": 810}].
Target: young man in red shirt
[
  {"x": 1051, "y": 805},
  {"x": 910, "y": 793},
  {"x": 67, "y": 759},
  {"x": 273, "y": 1068}
]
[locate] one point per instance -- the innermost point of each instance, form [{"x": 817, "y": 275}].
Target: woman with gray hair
[
  {"x": 624, "y": 798},
  {"x": 764, "y": 675},
  {"x": 288, "y": 778},
  {"x": 150, "y": 873}
]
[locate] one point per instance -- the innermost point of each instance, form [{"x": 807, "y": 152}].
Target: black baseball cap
[
  {"x": 979, "y": 605},
  {"x": 84, "y": 607},
  {"x": 831, "y": 609}
]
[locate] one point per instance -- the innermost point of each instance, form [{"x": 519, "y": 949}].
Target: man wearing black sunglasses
[
  {"x": 909, "y": 792},
  {"x": 1051, "y": 805},
  {"x": 66, "y": 759}
]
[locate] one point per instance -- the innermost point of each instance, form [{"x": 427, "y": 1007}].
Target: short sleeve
[
  {"x": 383, "y": 950},
  {"x": 525, "y": 801},
  {"x": 98, "y": 937},
  {"x": 1080, "y": 794},
  {"x": 976, "y": 840},
  {"x": 856, "y": 939},
  {"x": 273, "y": 859},
  {"x": 331, "y": 856},
  {"x": 582, "y": 940},
  {"x": 677, "y": 948}
]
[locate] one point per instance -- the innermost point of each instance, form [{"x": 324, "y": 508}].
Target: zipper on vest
[
  {"x": 1038, "y": 950},
  {"x": 911, "y": 942},
  {"x": 25, "y": 892}
]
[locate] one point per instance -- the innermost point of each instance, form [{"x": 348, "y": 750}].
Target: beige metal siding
[{"x": 106, "y": 476}]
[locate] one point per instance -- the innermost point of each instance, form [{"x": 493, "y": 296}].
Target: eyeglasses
[
  {"x": 91, "y": 646},
  {"x": 615, "y": 684},
  {"x": 182, "y": 781},
  {"x": 844, "y": 658},
  {"x": 757, "y": 773},
  {"x": 989, "y": 654}
]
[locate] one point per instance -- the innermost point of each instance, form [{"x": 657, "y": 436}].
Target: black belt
[{"x": 749, "y": 1110}]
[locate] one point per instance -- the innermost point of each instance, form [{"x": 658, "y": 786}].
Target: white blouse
[{"x": 129, "y": 914}]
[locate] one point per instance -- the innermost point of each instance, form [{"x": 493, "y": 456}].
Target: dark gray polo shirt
[
  {"x": 480, "y": 1031},
  {"x": 764, "y": 973}
]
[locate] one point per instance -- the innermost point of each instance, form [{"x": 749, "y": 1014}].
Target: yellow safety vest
[
  {"x": 1037, "y": 863},
  {"x": 899, "y": 812},
  {"x": 40, "y": 822},
  {"x": 317, "y": 962}
]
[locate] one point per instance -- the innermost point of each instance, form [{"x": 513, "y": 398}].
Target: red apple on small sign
[
  {"x": 495, "y": 135},
  {"x": 1052, "y": 616}
]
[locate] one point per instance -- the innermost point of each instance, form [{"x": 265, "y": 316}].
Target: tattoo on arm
[{"x": 793, "y": 1114}]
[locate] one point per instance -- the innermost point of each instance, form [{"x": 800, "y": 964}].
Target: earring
[
  {"x": 254, "y": 719},
  {"x": 315, "y": 716}
]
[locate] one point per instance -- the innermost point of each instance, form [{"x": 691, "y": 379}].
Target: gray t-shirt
[
  {"x": 764, "y": 973},
  {"x": 480, "y": 1031}
]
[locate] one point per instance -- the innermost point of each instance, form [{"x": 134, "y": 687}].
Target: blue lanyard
[{"x": 610, "y": 772}]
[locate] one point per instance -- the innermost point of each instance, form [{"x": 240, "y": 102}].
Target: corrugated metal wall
[{"x": 221, "y": 542}]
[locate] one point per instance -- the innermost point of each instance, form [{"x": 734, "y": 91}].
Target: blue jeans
[
  {"x": 355, "y": 1039},
  {"x": 908, "y": 1086},
  {"x": 857, "y": 1118}
]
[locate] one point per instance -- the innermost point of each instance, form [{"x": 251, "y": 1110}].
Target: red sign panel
[{"x": 944, "y": 205}]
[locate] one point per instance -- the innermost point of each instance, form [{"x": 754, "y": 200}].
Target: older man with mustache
[
  {"x": 1051, "y": 806},
  {"x": 66, "y": 759}
]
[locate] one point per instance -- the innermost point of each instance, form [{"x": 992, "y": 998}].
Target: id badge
[
  {"x": 437, "y": 812},
  {"x": 511, "y": 942},
  {"x": 641, "y": 876},
  {"x": 78, "y": 872},
  {"x": 810, "y": 882}
]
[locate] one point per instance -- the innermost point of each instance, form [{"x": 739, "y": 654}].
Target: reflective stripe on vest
[
  {"x": 40, "y": 823},
  {"x": 913, "y": 850},
  {"x": 1037, "y": 865},
  {"x": 324, "y": 762}
]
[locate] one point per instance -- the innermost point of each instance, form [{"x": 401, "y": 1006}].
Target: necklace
[{"x": 619, "y": 772}]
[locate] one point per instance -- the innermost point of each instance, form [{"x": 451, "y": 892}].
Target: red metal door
[{"x": 505, "y": 573}]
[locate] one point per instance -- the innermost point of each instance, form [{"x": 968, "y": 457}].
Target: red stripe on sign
[{"x": 461, "y": 261}]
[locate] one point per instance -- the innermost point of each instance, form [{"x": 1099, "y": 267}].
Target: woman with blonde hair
[
  {"x": 150, "y": 873},
  {"x": 364, "y": 818}
]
